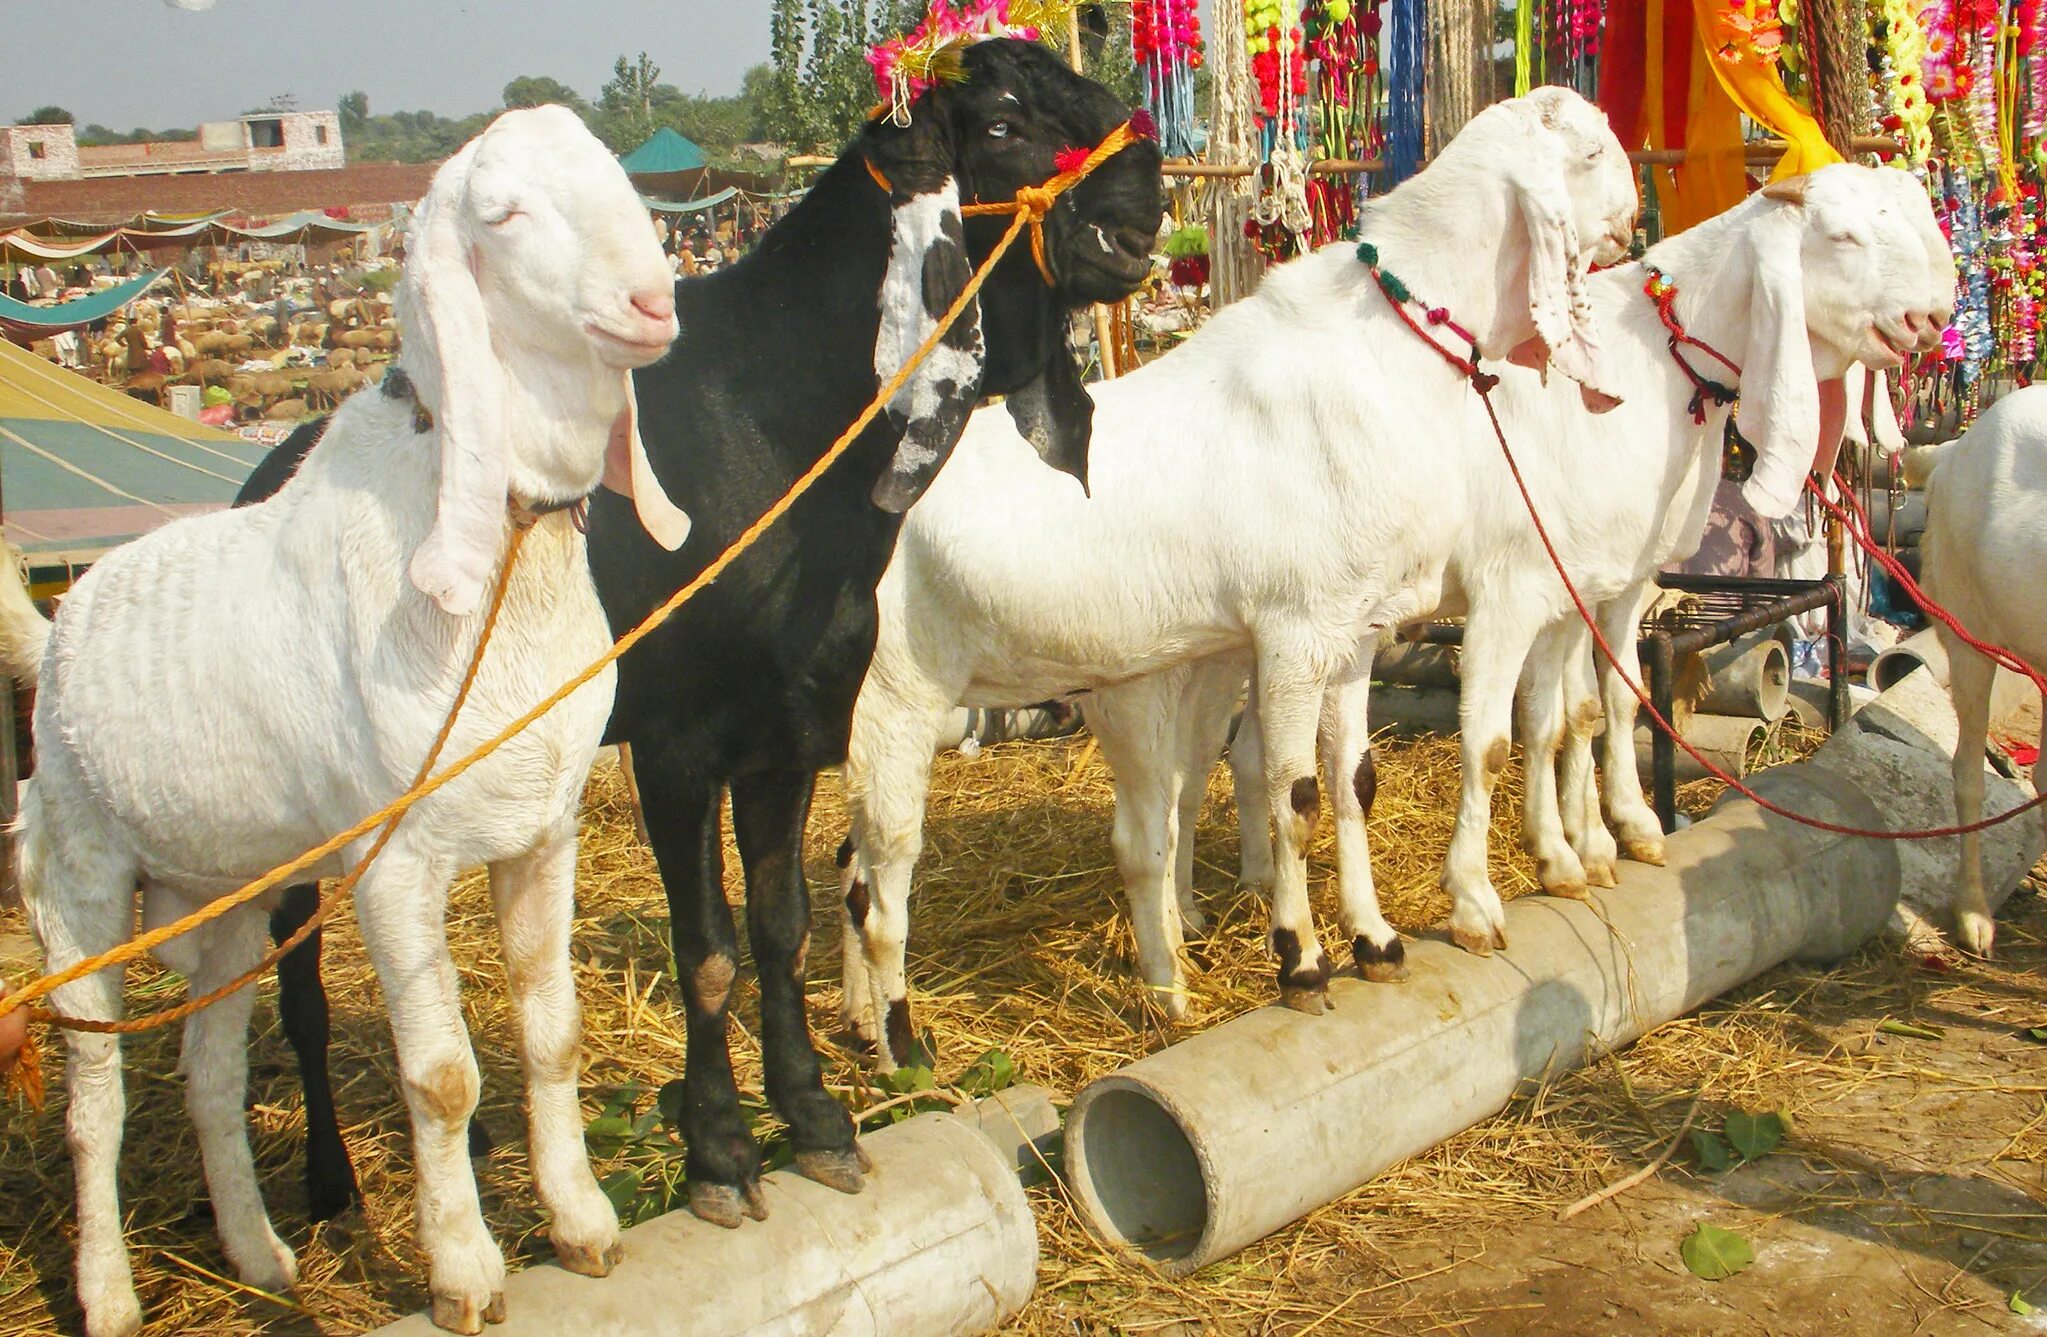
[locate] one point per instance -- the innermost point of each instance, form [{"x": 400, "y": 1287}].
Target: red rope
[{"x": 1484, "y": 383}]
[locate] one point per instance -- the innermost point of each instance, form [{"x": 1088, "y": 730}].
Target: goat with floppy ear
[
  {"x": 1793, "y": 286},
  {"x": 751, "y": 684},
  {"x": 543, "y": 290},
  {"x": 1234, "y": 514}
]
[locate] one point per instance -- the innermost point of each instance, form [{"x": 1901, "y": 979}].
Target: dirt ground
[{"x": 1909, "y": 1193}]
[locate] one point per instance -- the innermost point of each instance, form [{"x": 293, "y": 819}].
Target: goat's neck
[
  {"x": 557, "y": 421},
  {"x": 1711, "y": 269},
  {"x": 1429, "y": 234}
]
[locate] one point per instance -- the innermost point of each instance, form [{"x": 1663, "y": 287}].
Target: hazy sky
[{"x": 125, "y": 63}]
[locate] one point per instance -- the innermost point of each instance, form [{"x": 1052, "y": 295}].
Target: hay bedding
[{"x": 1018, "y": 943}]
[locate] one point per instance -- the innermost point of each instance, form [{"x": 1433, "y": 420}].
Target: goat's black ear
[
  {"x": 1056, "y": 415},
  {"x": 928, "y": 270}
]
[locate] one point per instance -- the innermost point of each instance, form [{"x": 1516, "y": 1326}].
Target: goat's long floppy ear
[
  {"x": 1054, "y": 412},
  {"x": 627, "y": 472},
  {"x": 458, "y": 377},
  {"x": 1557, "y": 300},
  {"x": 1781, "y": 402},
  {"x": 928, "y": 269}
]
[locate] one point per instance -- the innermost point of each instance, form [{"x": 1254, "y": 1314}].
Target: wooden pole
[{"x": 1103, "y": 339}]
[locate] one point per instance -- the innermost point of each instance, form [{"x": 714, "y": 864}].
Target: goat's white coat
[
  {"x": 230, "y": 690},
  {"x": 1231, "y": 502},
  {"x": 1985, "y": 555}
]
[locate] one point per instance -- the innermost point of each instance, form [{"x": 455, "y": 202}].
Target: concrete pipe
[
  {"x": 1195, "y": 1152},
  {"x": 1750, "y": 675},
  {"x": 1727, "y": 740},
  {"x": 1911, "y": 518},
  {"x": 941, "y": 1242},
  {"x": 1922, "y": 649}
]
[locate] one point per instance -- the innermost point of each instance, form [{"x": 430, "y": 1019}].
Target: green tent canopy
[{"x": 665, "y": 151}]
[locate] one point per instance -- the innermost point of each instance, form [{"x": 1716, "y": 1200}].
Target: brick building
[{"x": 277, "y": 141}]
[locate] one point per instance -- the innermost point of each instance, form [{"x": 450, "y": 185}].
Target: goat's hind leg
[
  {"x": 534, "y": 896},
  {"x": 682, "y": 825},
  {"x": 1543, "y": 726},
  {"x": 1138, "y": 726},
  {"x": 1497, "y": 637},
  {"x": 80, "y": 895},
  {"x": 216, "y": 1069},
  {"x": 1350, "y": 770},
  {"x": 302, "y": 1009},
  {"x": 1289, "y": 705},
  {"x": 768, "y": 815},
  {"x": 1577, "y": 779},
  {"x": 1970, "y": 679}
]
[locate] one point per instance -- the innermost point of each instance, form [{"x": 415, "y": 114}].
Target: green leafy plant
[
  {"x": 1753, "y": 1135},
  {"x": 1714, "y": 1254},
  {"x": 1711, "y": 1151}
]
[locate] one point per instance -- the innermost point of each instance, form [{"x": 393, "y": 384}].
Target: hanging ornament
[{"x": 1165, "y": 38}]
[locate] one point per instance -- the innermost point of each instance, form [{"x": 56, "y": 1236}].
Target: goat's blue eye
[{"x": 999, "y": 130}]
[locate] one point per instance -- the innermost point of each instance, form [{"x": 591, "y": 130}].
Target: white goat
[
  {"x": 228, "y": 691},
  {"x": 1236, "y": 501},
  {"x": 1984, "y": 550},
  {"x": 1796, "y": 285}
]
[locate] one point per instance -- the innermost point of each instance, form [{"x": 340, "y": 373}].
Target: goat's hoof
[
  {"x": 589, "y": 1260},
  {"x": 1601, "y": 873},
  {"x": 1570, "y": 891},
  {"x": 724, "y": 1205},
  {"x": 114, "y": 1316},
  {"x": 461, "y": 1313},
  {"x": 1311, "y": 999},
  {"x": 1480, "y": 944},
  {"x": 1975, "y": 933},
  {"x": 835, "y": 1169},
  {"x": 1643, "y": 851},
  {"x": 1380, "y": 965},
  {"x": 272, "y": 1267}
]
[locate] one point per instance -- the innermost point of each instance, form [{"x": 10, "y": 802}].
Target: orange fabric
[
  {"x": 1758, "y": 90},
  {"x": 1712, "y": 179}
]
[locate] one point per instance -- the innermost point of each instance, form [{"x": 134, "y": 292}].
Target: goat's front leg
[
  {"x": 302, "y": 1010},
  {"x": 768, "y": 814},
  {"x": 1543, "y": 724},
  {"x": 1350, "y": 772},
  {"x": 1577, "y": 782},
  {"x": 1137, "y": 725},
  {"x": 723, "y": 1162},
  {"x": 1206, "y": 707},
  {"x": 1497, "y": 636},
  {"x": 1635, "y": 822},
  {"x": 888, "y": 775},
  {"x": 80, "y": 895},
  {"x": 1289, "y": 704},
  {"x": 535, "y": 896},
  {"x": 401, "y": 903},
  {"x": 854, "y": 1012},
  {"x": 216, "y": 1067}
]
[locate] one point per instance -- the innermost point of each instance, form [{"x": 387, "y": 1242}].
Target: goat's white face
[
  {"x": 1879, "y": 280},
  {"x": 532, "y": 263},
  {"x": 1846, "y": 266},
  {"x": 1596, "y": 173},
  {"x": 561, "y": 244}
]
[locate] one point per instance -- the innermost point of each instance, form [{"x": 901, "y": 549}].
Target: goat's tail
[{"x": 24, "y": 631}]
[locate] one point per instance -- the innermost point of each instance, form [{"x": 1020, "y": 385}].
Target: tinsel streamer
[
  {"x": 1840, "y": 66},
  {"x": 1524, "y": 37},
  {"x": 1405, "y": 46}
]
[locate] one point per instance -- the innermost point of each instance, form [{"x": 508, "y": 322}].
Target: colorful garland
[
  {"x": 905, "y": 67},
  {"x": 1165, "y": 38}
]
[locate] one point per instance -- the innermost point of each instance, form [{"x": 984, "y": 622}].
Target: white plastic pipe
[
  {"x": 1190, "y": 1154},
  {"x": 940, "y": 1242}
]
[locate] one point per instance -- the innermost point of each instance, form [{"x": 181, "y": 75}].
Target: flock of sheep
[{"x": 1303, "y": 478}]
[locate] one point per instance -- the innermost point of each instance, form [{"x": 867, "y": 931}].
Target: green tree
[
  {"x": 354, "y": 110},
  {"x": 628, "y": 103},
  {"x": 820, "y": 86},
  {"x": 49, "y": 116},
  {"x": 534, "y": 90}
]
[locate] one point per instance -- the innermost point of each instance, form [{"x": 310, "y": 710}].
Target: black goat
[{"x": 750, "y": 687}]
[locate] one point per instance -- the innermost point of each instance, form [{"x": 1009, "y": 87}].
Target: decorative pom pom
[
  {"x": 1142, "y": 125},
  {"x": 1369, "y": 254},
  {"x": 1069, "y": 159}
]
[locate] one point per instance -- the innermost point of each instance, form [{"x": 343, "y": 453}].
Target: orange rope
[{"x": 1029, "y": 207}]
